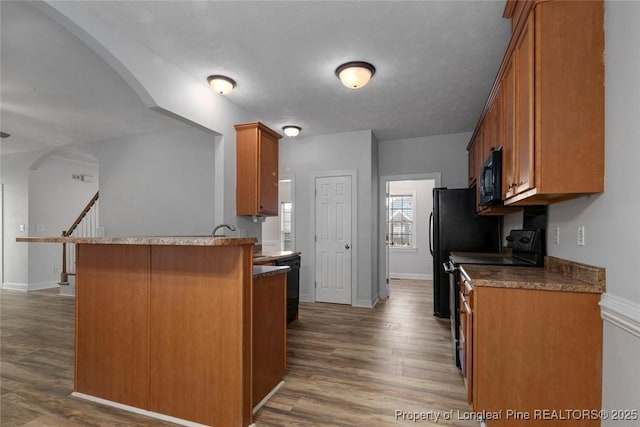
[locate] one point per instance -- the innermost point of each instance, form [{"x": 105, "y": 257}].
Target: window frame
[{"x": 413, "y": 247}]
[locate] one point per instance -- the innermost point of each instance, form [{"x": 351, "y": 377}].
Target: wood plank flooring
[{"x": 346, "y": 366}]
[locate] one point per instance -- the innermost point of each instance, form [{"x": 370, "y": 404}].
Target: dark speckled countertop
[
  {"x": 557, "y": 275},
  {"x": 268, "y": 270},
  {"x": 146, "y": 240},
  {"x": 260, "y": 257}
]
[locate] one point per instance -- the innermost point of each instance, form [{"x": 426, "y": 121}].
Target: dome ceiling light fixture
[
  {"x": 355, "y": 74},
  {"x": 291, "y": 130},
  {"x": 221, "y": 84}
]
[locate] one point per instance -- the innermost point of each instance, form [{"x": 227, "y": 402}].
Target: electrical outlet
[
  {"x": 556, "y": 236},
  {"x": 22, "y": 227},
  {"x": 581, "y": 235}
]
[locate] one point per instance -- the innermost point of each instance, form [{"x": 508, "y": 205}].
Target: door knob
[{"x": 347, "y": 246}]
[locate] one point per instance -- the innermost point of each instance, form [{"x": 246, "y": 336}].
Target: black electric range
[{"x": 527, "y": 248}]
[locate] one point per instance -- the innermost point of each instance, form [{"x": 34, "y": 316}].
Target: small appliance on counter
[{"x": 527, "y": 250}]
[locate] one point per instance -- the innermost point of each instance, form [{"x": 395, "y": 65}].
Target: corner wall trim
[{"x": 621, "y": 313}]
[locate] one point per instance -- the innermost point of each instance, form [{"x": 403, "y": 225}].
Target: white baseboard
[
  {"x": 67, "y": 291},
  {"x": 307, "y": 298},
  {"x": 411, "y": 276},
  {"x": 620, "y": 312},
  {"x": 140, "y": 411},
  {"x": 15, "y": 286},
  {"x": 42, "y": 285},
  {"x": 267, "y": 397},
  {"x": 365, "y": 303}
]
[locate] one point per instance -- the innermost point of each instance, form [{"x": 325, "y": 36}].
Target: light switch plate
[{"x": 581, "y": 238}]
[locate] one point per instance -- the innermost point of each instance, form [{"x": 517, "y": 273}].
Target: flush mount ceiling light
[
  {"x": 291, "y": 130},
  {"x": 221, "y": 84},
  {"x": 355, "y": 74}
]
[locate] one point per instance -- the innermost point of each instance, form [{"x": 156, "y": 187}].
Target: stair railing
[{"x": 85, "y": 225}]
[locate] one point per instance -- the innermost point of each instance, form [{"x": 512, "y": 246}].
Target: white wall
[
  {"x": 414, "y": 263},
  {"x": 55, "y": 201},
  {"x": 307, "y": 157}
]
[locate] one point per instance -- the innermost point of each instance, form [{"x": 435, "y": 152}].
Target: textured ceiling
[{"x": 435, "y": 60}]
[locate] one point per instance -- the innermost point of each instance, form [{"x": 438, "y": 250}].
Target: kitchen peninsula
[{"x": 167, "y": 326}]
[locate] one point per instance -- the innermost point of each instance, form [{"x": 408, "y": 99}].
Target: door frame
[
  {"x": 383, "y": 274},
  {"x": 353, "y": 173},
  {"x": 292, "y": 179},
  {"x": 1, "y": 235}
]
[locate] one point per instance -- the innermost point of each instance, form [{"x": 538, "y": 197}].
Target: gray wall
[
  {"x": 611, "y": 218},
  {"x": 438, "y": 157},
  {"x": 414, "y": 263},
  {"x": 15, "y": 179},
  {"x": 55, "y": 201},
  {"x": 157, "y": 184},
  {"x": 306, "y": 158},
  {"x": 445, "y": 154}
]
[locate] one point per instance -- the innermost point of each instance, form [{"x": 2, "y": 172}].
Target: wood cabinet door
[
  {"x": 269, "y": 336},
  {"x": 524, "y": 142},
  {"x": 268, "y": 175},
  {"x": 509, "y": 123},
  {"x": 112, "y": 323},
  {"x": 471, "y": 164},
  {"x": 498, "y": 121},
  {"x": 468, "y": 349}
]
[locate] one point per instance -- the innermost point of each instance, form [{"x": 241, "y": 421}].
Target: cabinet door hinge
[
  {"x": 316, "y": 284},
  {"x": 387, "y": 280}
]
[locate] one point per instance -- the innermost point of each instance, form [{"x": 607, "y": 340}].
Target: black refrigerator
[{"x": 455, "y": 226}]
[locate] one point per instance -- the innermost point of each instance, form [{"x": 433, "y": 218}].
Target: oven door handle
[{"x": 449, "y": 267}]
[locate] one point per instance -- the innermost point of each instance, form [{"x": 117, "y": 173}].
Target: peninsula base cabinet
[
  {"x": 167, "y": 329},
  {"x": 536, "y": 356}
]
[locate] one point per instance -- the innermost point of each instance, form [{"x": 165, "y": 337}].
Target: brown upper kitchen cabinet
[
  {"x": 551, "y": 117},
  {"x": 256, "y": 170}
]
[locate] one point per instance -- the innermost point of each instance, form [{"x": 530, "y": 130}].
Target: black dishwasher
[{"x": 293, "y": 285}]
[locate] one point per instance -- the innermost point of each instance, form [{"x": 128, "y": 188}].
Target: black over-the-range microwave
[{"x": 491, "y": 179}]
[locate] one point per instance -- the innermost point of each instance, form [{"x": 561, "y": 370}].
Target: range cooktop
[
  {"x": 527, "y": 247},
  {"x": 458, "y": 258}
]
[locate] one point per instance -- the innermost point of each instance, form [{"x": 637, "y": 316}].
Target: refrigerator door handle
[{"x": 431, "y": 233}]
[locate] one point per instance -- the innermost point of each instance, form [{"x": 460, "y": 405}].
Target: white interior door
[{"x": 333, "y": 239}]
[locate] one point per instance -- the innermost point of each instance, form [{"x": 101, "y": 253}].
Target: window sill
[{"x": 402, "y": 249}]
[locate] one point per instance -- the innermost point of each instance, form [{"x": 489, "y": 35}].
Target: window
[
  {"x": 285, "y": 226},
  {"x": 400, "y": 219}
]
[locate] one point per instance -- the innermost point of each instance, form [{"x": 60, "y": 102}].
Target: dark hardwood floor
[{"x": 346, "y": 366}]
